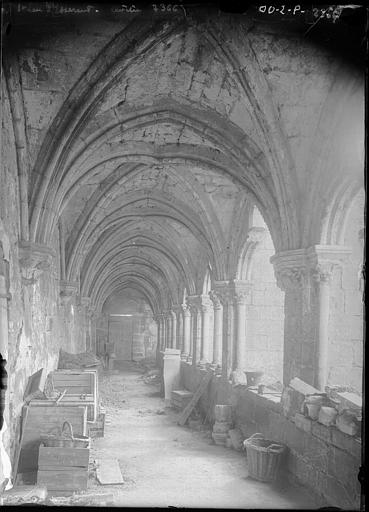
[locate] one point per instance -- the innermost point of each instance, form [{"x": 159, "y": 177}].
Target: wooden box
[
  {"x": 63, "y": 469},
  {"x": 180, "y": 398},
  {"x": 97, "y": 429},
  {"x": 81, "y": 388},
  {"x": 40, "y": 417},
  {"x": 50, "y": 456}
]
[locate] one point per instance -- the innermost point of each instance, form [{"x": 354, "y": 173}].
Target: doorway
[{"x": 121, "y": 335}]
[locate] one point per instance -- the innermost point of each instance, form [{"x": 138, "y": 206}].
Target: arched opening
[
  {"x": 264, "y": 315},
  {"x": 130, "y": 330},
  {"x": 345, "y": 351}
]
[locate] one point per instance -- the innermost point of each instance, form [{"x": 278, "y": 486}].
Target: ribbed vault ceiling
[{"x": 156, "y": 157}]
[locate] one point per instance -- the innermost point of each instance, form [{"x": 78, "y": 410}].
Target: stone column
[
  {"x": 206, "y": 354},
  {"x": 242, "y": 296},
  {"x": 180, "y": 324},
  {"x": 186, "y": 330},
  {"x": 92, "y": 326},
  {"x": 179, "y": 327},
  {"x": 62, "y": 249},
  {"x": 85, "y": 306},
  {"x": 174, "y": 330},
  {"x": 163, "y": 330},
  {"x": 300, "y": 275},
  {"x": 225, "y": 291},
  {"x": 194, "y": 304},
  {"x": 218, "y": 329},
  {"x": 323, "y": 278},
  {"x": 168, "y": 340},
  {"x": 322, "y": 261}
]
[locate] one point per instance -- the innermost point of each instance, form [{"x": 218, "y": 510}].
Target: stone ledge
[
  {"x": 322, "y": 432},
  {"x": 264, "y": 400},
  {"x": 347, "y": 443},
  {"x": 330, "y": 435}
]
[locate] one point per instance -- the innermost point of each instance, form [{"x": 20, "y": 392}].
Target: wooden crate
[
  {"x": 71, "y": 479},
  {"x": 50, "y": 456},
  {"x": 80, "y": 386},
  {"x": 63, "y": 469},
  {"x": 40, "y": 417},
  {"x": 97, "y": 428}
]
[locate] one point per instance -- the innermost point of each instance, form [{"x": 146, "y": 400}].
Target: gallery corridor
[
  {"x": 163, "y": 464},
  {"x": 183, "y": 184}
]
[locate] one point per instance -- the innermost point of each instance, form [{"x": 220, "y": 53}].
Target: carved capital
[
  {"x": 34, "y": 259},
  {"x": 186, "y": 310},
  {"x": 224, "y": 291},
  {"x": 242, "y": 291},
  {"x": 68, "y": 290},
  {"x": 288, "y": 278},
  {"x": 177, "y": 308},
  {"x": 295, "y": 268},
  {"x": 206, "y": 304},
  {"x": 85, "y": 302},
  {"x": 193, "y": 302},
  {"x": 322, "y": 272},
  {"x": 322, "y": 260},
  {"x": 289, "y": 268},
  {"x": 214, "y": 297},
  {"x": 91, "y": 313}
]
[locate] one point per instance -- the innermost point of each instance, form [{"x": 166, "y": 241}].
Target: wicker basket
[
  {"x": 64, "y": 439},
  {"x": 263, "y": 457}
]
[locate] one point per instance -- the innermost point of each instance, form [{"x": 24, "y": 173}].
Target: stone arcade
[{"x": 190, "y": 180}]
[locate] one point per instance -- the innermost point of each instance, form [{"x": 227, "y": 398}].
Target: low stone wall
[{"x": 321, "y": 458}]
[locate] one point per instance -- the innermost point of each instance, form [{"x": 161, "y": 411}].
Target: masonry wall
[
  {"x": 265, "y": 316},
  {"x": 36, "y": 324},
  {"x": 346, "y": 335},
  {"x": 319, "y": 457}
]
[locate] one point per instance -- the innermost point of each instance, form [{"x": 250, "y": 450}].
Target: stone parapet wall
[{"x": 322, "y": 458}]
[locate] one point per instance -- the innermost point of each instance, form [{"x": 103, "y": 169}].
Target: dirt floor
[{"x": 164, "y": 464}]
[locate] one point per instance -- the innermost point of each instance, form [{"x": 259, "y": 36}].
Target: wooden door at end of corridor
[{"x": 121, "y": 334}]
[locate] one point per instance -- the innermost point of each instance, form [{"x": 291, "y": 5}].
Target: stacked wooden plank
[
  {"x": 196, "y": 397},
  {"x": 180, "y": 398},
  {"x": 63, "y": 470}
]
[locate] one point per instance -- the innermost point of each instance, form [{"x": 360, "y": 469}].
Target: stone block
[
  {"x": 321, "y": 431},
  {"x": 345, "y": 468},
  {"x": 337, "y": 494},
  {"x": 261, "y": 416},
  {"x": 302, "y": 422},
  {"x": 302, "y": 471},
  {"x": 316, "y": 453},
  {"x": 346, "y": 443},
  {"x": 276, "y": 428},
  {"x": 294, "y": 438}
]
